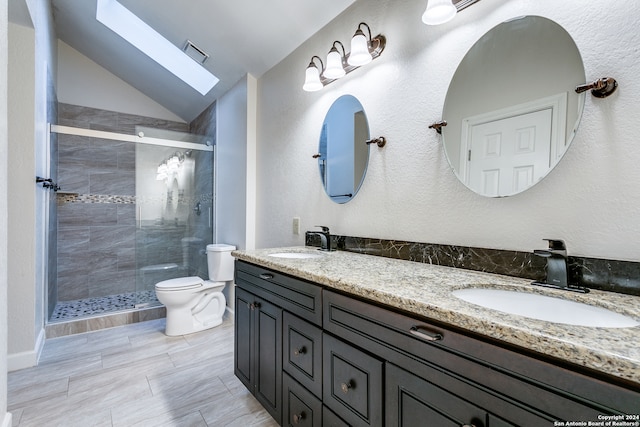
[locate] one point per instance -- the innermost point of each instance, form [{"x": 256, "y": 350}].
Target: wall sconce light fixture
[
  {"x": 441, "y": 11},
  {"x": 312, "y": 81},
  {"x": 335, "y": 62},
  {"x": 363, "y": 50}
]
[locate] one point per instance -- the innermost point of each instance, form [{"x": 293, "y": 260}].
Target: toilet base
[
  {"x": 205, "y": 313},
  {"x": 174, "y": 329}
]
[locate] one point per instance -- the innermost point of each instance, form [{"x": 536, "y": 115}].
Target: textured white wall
[
  {"x": 22, "y": 213},
  {"x": 83, "y": 82},
  {"x": 590, "y": 200},
  {"x": 5, "y": 417},
  {"x": 231, "y": 152}
]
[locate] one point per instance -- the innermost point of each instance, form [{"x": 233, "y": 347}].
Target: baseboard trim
[
  {"x": 26, "y": 359},
  {"x": 7, "y": 420}
]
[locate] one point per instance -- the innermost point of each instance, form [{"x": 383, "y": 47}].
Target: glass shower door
[{"x": 174, "y": 210}]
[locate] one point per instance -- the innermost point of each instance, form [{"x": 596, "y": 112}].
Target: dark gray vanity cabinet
[
  {"x": 437, "y": 373},
  {"x": 268, "y": 305},
  {"x": 316, "y": 357}
]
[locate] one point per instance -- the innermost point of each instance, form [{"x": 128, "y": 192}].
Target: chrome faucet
[
  {"x": 557, "y": 271},
  {"x": 325, "y": 238}
]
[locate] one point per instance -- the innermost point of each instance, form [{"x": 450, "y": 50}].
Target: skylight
[{"x": 120, "y": 20}]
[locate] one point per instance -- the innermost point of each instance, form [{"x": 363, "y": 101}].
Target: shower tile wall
[
  {"x": 205, "y": 124},
  {"x": 97, "y": 227}
]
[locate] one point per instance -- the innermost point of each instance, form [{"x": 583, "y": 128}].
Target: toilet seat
[{"x": 180, "y": 284}]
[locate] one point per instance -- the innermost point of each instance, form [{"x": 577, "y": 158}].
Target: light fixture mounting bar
[{"x": 377, "y": 46}]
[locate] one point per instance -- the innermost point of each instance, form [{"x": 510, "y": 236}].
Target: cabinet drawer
[
  {"x": 302, "y": 352},
  {"x": 301, "y": 408},
  {"x": 352, "y": 383},
  {"x": 300, "y": 297},
  {"x": 329, "y": 419},
  {"x": 412, "y": 401},
  {"x": 510, "y": 381}
]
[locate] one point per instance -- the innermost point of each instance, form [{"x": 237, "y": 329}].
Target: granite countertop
[{"x": 425, "y": 290}]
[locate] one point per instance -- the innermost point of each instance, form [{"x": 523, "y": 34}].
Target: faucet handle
[
  {"x": 556, "y": 244},
  {"x": 325, "y": 229}
]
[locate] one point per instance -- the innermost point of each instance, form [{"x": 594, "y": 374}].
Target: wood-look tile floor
[{"x": 135, "y": 375}]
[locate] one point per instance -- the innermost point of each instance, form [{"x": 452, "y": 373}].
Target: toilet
[{"x": 194, "y": 304}]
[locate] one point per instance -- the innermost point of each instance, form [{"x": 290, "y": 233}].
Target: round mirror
[
  {"x": 343, "y": 153},
  {"x": 511, "y": 108}
]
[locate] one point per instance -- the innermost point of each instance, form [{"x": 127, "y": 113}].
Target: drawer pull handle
[
  {"x": 298, "y": 417},
  {"x": 346, "y": 387},
  {"x": 425, "y": 334},
  {"x": 266, "y": 276},
  {"x": 299, "y": 351}
]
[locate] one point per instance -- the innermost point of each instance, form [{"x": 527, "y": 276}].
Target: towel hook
[{"x": 600, "y": 88}]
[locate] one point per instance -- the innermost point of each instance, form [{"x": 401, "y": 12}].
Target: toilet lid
[{"x": 180, "y": 284}]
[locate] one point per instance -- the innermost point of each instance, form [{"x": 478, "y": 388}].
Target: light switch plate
[{"x": 296, "y": 225}]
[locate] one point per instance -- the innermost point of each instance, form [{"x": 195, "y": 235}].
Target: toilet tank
[{"x": 220, "y": 262}]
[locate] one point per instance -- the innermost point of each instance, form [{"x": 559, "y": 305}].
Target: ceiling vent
[{"x": 195, "y": 52}]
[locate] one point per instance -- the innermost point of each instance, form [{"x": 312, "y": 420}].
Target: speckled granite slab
[{"x": 426, "y": 289}]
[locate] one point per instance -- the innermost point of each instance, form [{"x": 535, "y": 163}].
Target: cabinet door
[
  {"x": 268, "y": 357},
  {"x": 329, "y": 419},
  {"x": 412, "y": 401},
  {"x": 244, "y": 338},
  {"x": 258, "y": 350}
]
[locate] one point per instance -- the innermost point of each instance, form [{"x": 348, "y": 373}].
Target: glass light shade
[
  {"x": 359, "y": 50},
  {"x": 312, "y": 81},
  {"x": 334, "y": 69},
  {"x": 173, "y": 163},
  {"x": 438, "y": 12}
]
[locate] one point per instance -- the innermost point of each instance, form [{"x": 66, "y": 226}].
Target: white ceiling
[{"x": 241, "y": 36}]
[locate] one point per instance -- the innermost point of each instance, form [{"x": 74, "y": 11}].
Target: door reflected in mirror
[
  {"x": 343, "y": 154},
  {"x": 511, "y": 107}
]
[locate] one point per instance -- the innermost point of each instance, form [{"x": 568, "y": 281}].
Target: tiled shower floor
[{"x": 67, "y": 310}]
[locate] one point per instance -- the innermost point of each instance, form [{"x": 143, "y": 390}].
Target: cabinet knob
[
  {"x": 299, "y": 351},
  {"x": 254, "y": 305},
  {"x": 346, "y": 387},
  {"x": 298, "y": 417}
]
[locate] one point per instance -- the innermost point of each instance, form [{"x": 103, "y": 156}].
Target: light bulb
[{"x": 438, "y": 12}]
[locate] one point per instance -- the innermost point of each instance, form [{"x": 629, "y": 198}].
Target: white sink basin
[
  {"x": 297, "y": 255},
  {"x": 545, "y": 308}
]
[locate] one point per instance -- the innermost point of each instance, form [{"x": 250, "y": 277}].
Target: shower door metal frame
[{"x": 68, "y": 130}]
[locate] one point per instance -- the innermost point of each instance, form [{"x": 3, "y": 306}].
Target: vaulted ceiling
[{"x": 241, "y": 36}]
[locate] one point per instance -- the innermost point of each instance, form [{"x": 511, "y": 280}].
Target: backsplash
[{"x": 594, "y": 273}]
